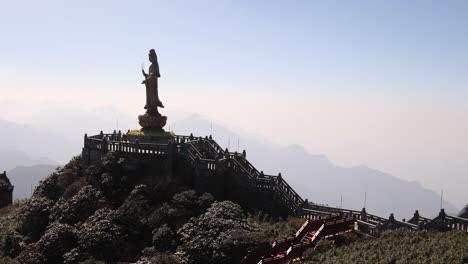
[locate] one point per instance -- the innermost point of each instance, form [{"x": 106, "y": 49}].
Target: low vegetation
[
  {"x": 101, "y": 215},
  {"x": 394, "y": 247}
]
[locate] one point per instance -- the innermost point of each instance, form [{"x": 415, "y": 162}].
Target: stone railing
[
  {"x": 238, "y": 162},
  {"x": 114, "y": 143},
  {"x": 206, "y": 154},
  {"x": 365, "y": 222},
  {"x": 314, "y": 211},
  {"x": 445, "y": 221},
  {"x": 275, "y": 183},
  {"x": 456, "y": 223}
]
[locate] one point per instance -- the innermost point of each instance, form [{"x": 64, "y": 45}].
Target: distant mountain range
[
  {"x": 464, "y": 212},
  {"x": 316, "y": 178},
  {"x": 25, "y": 172},
  {"x": 312, "y": 176},
  {"x": 10, "y": 159},
  {"x": 26, "y": 178},
  {"x": 37, "y": 143}
]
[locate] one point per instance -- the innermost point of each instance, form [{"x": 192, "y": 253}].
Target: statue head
[{"x": 152, "y": 56}]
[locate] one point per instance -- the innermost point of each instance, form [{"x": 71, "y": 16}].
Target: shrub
[
  {"x": 56, "y": 241},
  {"x": 164, "y": 238},
  {"x": 79, "y": 207},
  {"x": 217, "y": 236},
  {"x": 34, "y": 217},
  {"x": 101, "y": 236}
]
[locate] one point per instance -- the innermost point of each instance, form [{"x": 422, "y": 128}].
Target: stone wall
[{"x": 168, "y": 174}]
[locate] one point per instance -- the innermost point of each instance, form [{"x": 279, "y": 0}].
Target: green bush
[
  {"x": 397, "y": 247},
  {"x": 221, "y": 235}
]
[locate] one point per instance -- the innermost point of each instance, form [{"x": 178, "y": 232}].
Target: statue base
[{"x": 152, "y": 123}]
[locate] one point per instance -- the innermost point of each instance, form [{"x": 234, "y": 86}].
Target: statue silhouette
[{"x": 151, "y": 83}]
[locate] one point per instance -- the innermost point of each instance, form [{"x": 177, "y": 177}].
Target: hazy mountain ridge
[
  {"x": 26, "y": 178},
  {"x": 10, "y": 159},
  {"x": 464, "y": 212},
  {"x": 315, "y": 177},
  {"x": 37, "y": 142},
  {"x": 25, "y": 172}
]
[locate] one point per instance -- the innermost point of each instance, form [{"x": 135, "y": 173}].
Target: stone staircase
[
  {"x": 289, "y": 249},
  {"x": 206, "y": 156}
]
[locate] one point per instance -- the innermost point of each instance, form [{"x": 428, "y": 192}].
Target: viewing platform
[
  {"x": 201, "y": 153},
  {"x": 204, "y": 154}
]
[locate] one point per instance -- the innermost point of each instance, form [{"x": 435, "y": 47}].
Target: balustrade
[
  {"x": 205, "y": 153},
  {"x": 112, "y": 142}
]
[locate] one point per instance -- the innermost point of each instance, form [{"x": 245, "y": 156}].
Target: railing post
[
  {"x": 391, "y": 218},
  {"x": 272, "y": 182},
  {"x": 442, "y": 214},
  {"x": 104, "y": 145},
  {"x": 416, "y": 218},
  {"x": 170, "y": 150},
  {"x": 197, "y": 161},
  {"x": 363, "y": 215}
]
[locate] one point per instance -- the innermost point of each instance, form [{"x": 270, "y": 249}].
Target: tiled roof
[{"x": 4, "y": 181}]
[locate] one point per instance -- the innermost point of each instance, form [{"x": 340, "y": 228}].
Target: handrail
[
  {"x": 412, "y": 226},
  {"x": 205, "y": 153},
  {"x": 456, "y": 218},
  {"x": 324, "y": 208},
  {"x": 103, "y": 144},
  {"x": 242, "y": 164},
  {"x": 196, "y": 149}
]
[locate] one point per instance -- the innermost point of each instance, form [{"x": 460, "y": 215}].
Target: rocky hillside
[
  {"x": 107, "y": 213},
  {"x": 111, "y": 213}
]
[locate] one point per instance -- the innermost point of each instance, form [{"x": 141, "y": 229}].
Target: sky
[{"x": 380, "y": 83}]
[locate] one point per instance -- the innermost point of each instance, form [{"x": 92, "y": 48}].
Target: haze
[{"x": 378, "y": 83}]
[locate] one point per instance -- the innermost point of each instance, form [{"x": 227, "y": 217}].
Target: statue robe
[{"x": 152, "y": 96}]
